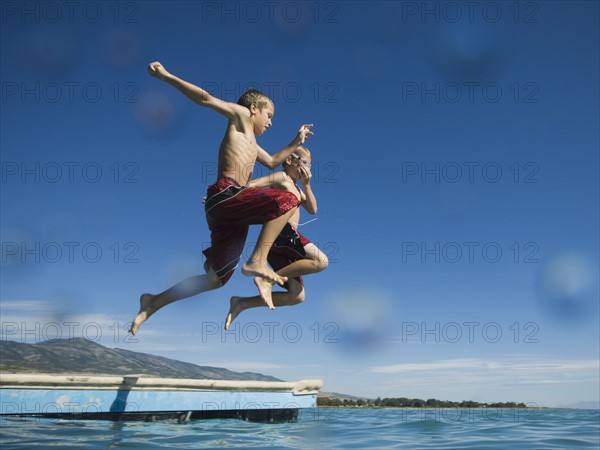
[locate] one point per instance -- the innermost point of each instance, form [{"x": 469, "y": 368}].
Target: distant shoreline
[{"x": 462, "y": 408}]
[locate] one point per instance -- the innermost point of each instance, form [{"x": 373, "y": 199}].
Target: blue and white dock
[{"x": 137, "y": 397}]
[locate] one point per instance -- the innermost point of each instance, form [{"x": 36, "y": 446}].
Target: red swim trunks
[
  {"x": 230, "y": 210},
  {"x": 287, "y": 248}
]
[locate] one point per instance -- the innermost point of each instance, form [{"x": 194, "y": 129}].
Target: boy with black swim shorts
[{"x": 292, "y": 255}]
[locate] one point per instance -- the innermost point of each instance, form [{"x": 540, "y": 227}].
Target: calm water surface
[{"x": 324, "y": 429}]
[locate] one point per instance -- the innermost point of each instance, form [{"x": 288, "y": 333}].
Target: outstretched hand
[
  {"x": 304, "y": 133},
  {"x": 157, "y": 70}
]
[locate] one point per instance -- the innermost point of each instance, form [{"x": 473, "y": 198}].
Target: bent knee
[
  {"x": 295, "y": 288},
  {"x": 321, "y": 263},
  {"x": 213, "y": 280},
  {"x": 296, "y": 292}
]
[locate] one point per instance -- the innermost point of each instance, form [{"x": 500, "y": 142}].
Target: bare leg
[
  {"x": 257, "y": 263},
  {"x": 315, "y": 261},
  {"x": 301, "y": 267},
  {"x": 237, "y": 305},
  {"x": 149, "y": 303}
]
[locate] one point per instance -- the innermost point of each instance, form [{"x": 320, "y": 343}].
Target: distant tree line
[{"x": 411, "y": 403}]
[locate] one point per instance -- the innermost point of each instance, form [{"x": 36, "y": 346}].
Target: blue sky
[{"x": 455, "y": 162}]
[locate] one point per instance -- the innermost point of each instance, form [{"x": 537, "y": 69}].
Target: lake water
[{"x": 324, "y": 428}]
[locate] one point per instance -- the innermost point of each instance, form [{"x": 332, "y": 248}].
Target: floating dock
[{"x": 137, "y": 397}]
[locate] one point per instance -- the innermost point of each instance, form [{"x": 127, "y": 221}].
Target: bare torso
[{"x": 238, "y": 151}]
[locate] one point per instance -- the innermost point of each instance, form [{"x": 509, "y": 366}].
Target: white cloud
[
  {"x": 244, "y": 365},
  {"x": 489, "y": 367},
  {"x": 529, "y": 378},
  {"x": 436, "y": 365},
  {"x": 38, "y": 306}
]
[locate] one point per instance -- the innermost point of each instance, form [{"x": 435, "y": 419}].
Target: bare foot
[
  {"x": 264, "y": 289},
  {"x": 254, "y": 269},
  {"x": 234, "y": 310},
  {"x": 146, "y": 310}
]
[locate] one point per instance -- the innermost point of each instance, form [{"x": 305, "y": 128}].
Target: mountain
[
  {"x": 84, "y": 356},
  {"x": 340, "y": 396}
]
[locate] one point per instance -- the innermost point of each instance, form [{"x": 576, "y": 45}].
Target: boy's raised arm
[
  {"x": 273, "y": 161},
  {"x": 195, "y": 93}
]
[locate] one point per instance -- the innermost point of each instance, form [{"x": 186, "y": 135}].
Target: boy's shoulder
[
  {"x": 238, "y": 115},
  {"x": 283, "y": 179}
]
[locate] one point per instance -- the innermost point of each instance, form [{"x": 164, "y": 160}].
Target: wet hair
[{"x": 255, "y": 96}]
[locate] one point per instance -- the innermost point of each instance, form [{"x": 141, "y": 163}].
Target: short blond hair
[
  {"x": 302, "y": 148},
  {"x": 255, "y": 96}
]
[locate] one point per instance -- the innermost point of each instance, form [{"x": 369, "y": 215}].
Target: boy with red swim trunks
[
  {"x": 231, "y": 207},
  {"x": 292, "y": 255}
]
